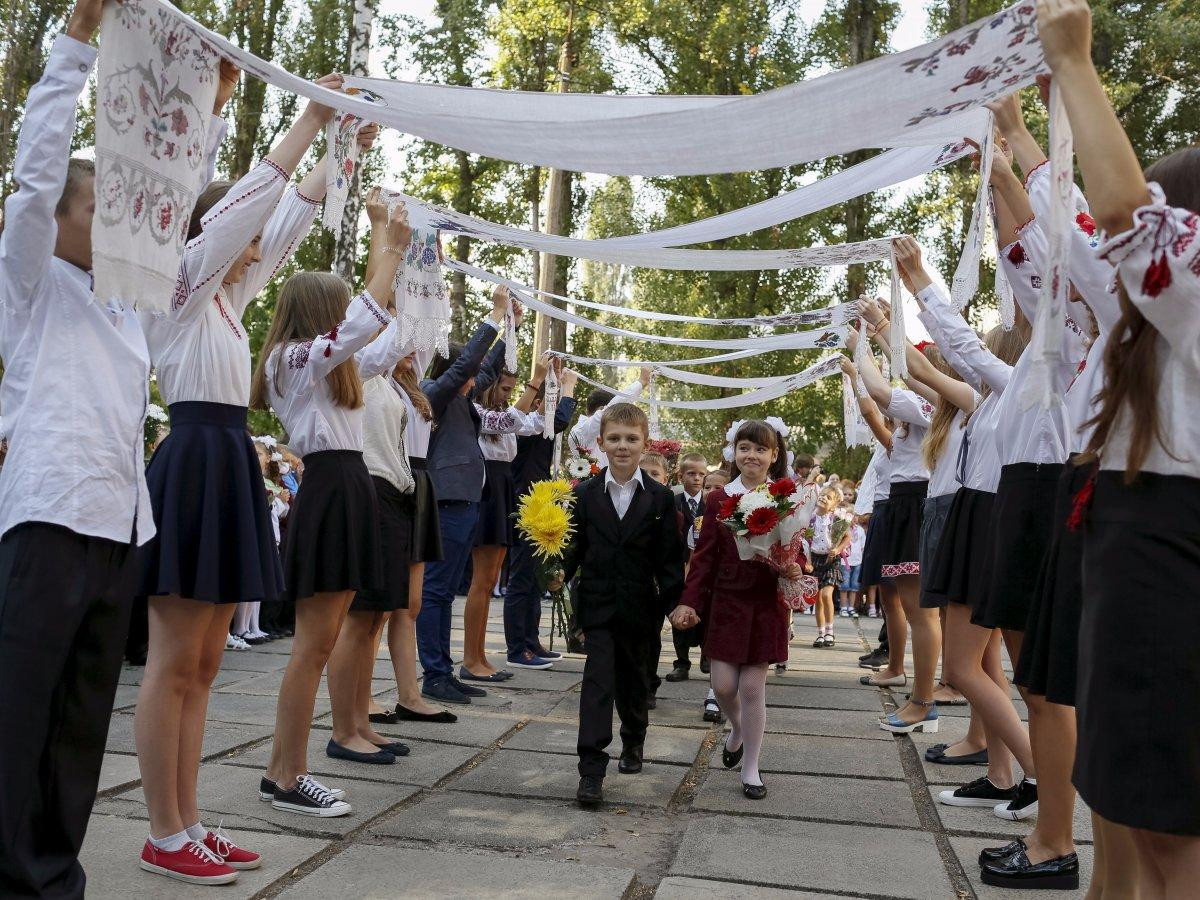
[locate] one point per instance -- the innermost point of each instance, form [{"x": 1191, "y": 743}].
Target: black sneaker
[
  {"x": 979, "y": 792},
  {"x": 1021, "y": 806},
  {"x": 873, "y": 660},
  {"x": 467, "y": 689},
  {"x": 266, "y": 790},
  {"x": 309, "y": 798}
]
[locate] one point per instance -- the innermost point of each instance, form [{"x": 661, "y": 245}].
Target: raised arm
[
  {"x": 877, "y": 387},
  {"x": 870, "y": 411}
]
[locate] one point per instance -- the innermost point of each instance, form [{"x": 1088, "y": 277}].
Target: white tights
[{"x": 742, "y": 692}]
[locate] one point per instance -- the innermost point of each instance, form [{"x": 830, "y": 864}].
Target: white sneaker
[{"x": 233, "y": 642}]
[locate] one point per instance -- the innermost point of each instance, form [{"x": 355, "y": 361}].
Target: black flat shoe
[
  {"x": 978, "y": 758},
  {"x": 590, "y": 791},
  {"x": 677, "y": 674},
  {"x": 728, "y": 759},
  {"x": 395, "y": 748},
  {"x": 444, "y": 716},
  {"x": 383, "y": 718},
  {"x": 379, "y": 757},
  {"x": 1016, "y": 871},
  {"x": 630, "y": 762},
  {"x": 754, "y": 791},
  {"x": 994, "y": 854}
]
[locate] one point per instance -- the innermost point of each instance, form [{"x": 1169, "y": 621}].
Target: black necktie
[{"x": 693, "y": 505}]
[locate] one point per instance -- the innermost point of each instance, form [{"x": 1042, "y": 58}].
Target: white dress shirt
[
  {"x": 622, "y": 494},
  {"x": 296, "y": 373},
  {"x": 943, "y": 479},
  {"x": 858, "y": 540},
  {"x": 75, "y": 389},
  {"x": 199, "y": 348},
  {"x": 418, "y": 430},
  {"x": 864, "y": 500},
  {"x": 585, "y": 435},
  {"x": 694, "y": 502},
  {"x": 500, "y": 428}
]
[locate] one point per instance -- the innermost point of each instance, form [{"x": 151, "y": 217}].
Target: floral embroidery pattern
[
  {"x": 298, "y": 354},
  {"x": 897, "y": 569},
  {"x": 341, "y": 136},
  {"x": 155, "y": 87}
]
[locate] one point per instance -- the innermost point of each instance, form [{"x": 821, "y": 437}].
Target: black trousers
[
  {"x": 683, "y": 645},
  {"x": 64, "y": 612},
  {"x": 615, "y": 672}
]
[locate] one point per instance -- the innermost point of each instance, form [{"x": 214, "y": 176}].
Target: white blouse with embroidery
[
  {"x": 913, "y": 413},
  {"x": 1158, "y": 262},
  {"x": 199, "y": 347},
  {"x": 296, "y": 373},
  {"x": 500, "y": 428}
]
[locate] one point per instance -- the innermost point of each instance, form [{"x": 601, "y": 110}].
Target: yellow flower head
[{"x": 544, "y": 517}]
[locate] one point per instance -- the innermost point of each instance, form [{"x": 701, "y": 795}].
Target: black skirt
[
  {"x": 902, "y": 551},
  {"x": 1050, "y": 652},
  {"x": 960, "y": 564},
  {"x": 214, "y": 539},
  {"x": 395, "y": 542},
  {"x": 827, "y": 569},
  {"x": 1138, "y": 762},
  {"x": 496, "y": 507},
  {"x": 427, "y": 528},
  {"x": 333, "y": 532},
  {"x": 873, "y": 547},
  {"x": 1023, "y": 521},
  {"x": 933, "y": 523}
]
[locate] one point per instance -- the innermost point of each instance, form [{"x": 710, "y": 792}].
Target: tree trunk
[
  {"x": 255, "y": 27},
  {"x": 863, "y": 32},
  {"x": 346, "y": 251},
  {"x": 462, "y": 247}
]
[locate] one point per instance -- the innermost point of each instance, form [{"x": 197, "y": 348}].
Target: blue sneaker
[
  {"x": 444, "y": 691},
  {"x": 526, "y": 660},
  {"x": 929, "y": 724}
]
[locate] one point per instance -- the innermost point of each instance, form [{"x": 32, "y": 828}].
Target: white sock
[
  {"x": 171, "y": 843},
  {"x": 1032, "y": 781},
  {"x": 197, "y": 832},
  {"x": 712, "y": 695}
]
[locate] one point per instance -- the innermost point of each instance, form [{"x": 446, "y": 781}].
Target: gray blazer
[{"x": 455, "y": 462}]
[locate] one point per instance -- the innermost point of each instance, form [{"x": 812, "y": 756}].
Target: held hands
[
  {"x": 1065, "y": 30},
  {"x": 908, "y": 260},
  {"x": 555, "y": 582},
  {"x": 848, "y": 366},
  {"x": 567, "y": 382},
  {"x": 227, "y": 75},
  {"x": 319, "y": 112},
  {"x": 683, "y": 617}
]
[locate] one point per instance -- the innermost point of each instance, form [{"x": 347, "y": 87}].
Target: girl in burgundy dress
[{"x": 747, "y": 623}]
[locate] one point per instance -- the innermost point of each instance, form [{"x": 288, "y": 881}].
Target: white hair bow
[{"x": 777, "y": 423}]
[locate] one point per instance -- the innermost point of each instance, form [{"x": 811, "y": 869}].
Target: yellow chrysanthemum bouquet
[{"x": 544, "y": 520}]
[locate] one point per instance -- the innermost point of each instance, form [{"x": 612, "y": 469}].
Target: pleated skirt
[
  {"x": 902, "y": 549},
  {"x": 496, "y": 526},
  {"x": 395, "y": 539},
  {"x": 214, "y": 539},
  {"x": 333, "y": 532},
  {"x": 427, "y": 528},
  {"x": 960, "y": 563},
  {"x": 933, "y": 523},
  {"x": 874, "y": 545}
]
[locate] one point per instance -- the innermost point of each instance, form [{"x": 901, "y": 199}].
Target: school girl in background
[
  {"x": 747, "y": 625},
  {"x": 500, "y": 426},
  {"x": 215, "y": 546},
  {"x": 313, "y": 363},
  {"x": 1146, "y": 438},
  {"x": 826, "y": 557}
]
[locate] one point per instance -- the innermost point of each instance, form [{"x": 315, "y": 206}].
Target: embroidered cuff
[
  {"x": 1146, "y": 221},
  {"x": 1043, "y": 167},
  {"x": 307, "y": 199},
  {"x": 267, "y": 161},
  {"x": 374, "y": 308}
]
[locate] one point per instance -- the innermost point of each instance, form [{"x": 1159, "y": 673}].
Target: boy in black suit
[{"x": 629, "y": 556}]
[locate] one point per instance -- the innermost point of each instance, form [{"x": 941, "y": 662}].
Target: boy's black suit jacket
[{"x": 630, "y": 570}]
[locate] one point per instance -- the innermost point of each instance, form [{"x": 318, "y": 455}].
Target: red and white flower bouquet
[{"x": 768, "y": 524}]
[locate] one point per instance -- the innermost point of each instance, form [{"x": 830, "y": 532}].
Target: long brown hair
[
  {"x": 209, "y": 197},
  {"x": 1131, "y": 357},
  {"x": 489, "y": 398},
  {"x": 409, "y": 379},
  {"x": 309, "y": 304},
  {"x": 1007, "y": 346},
  {"x": 943, "y": 413},
  {"x": 765, "y": 436}
]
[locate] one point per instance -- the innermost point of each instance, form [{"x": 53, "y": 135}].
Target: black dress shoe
[
  {"x": 379, "y": 757},
  {"x": 679, "y": 673},
  {"x": 992, "y": 854},
  {"x": 754, "y": 791},
  {"x": 591, "y": 790},
  {"x": 383, "y": 718},
  {"x": 652, "y": 702},
  {"x": 630, "y": 762},
  {"x": 705, "y": 666},
  {"x": 443, "y": 716},
  {"x": 728, "y": 759},
  {"x": 1016, "y": 871},
  {"x": 395, "y": 748}
]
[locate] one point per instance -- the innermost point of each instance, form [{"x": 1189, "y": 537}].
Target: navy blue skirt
[
  {"x": 214, "y": 542},
  {"x": 496, "y": 525}
]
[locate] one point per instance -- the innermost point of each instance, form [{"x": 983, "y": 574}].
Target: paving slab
[
  {"x": 663, "y": 744},
  {"x": 372, "y": 873},
  {"x": 678, "y": 713},
  {"x": 268, "y": 683},
  {"x": 263, "y": 658},
  {"x": 812, "y": 797},
  {"x": 699, "y": 889},
  {"x": 229, "y": 795},
  {"x": 219, "y": 737},
  {"x": 809, "y": 754},
  {"x": 519, "y": 773},
  {"x": 480, "y": 820},
  {"x": 474, "y": 728},
  {"x": 250, "y": 709},
  {"x": 112, "y": 846},
  {"x": 982, "y": 821},
  {"x": 827, "y": 722},
  {"x": 425, "y": 765},
  {"x": 814, "y": 856},
  {"x": 512, "y": 702},
  {"x": 859, "y": 699},
  {"x": 118, "y": 769},
  {"x": 967, "y": 850}
]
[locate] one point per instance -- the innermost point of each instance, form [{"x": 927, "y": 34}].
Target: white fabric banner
[
  {"x": 854, "y": 426},
  {"x": 899, "y": 100},
  {"x": 341, "y": 144},
  {"x": 155, "y": 85}
]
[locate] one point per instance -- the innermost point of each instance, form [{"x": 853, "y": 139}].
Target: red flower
[
  {"x": 1157, "y": 278},
  {"x": 782, "y": 487},
  {"x": 762, "y": 520},
  {"x": 595, "y": 469},
  {"x": 1016, "y": 254},
  {"x": 729, "y": 506},
  {"x": 1086, "y": 224}
]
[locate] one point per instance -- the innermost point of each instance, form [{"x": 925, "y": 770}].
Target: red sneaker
[
  {"x": 194, "y": 863},
  {"x": 233, "y": 855}
]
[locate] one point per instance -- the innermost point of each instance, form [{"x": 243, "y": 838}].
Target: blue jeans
[
  {"x": 522, "y": 601},
  {"x": 458, "y": 521}
]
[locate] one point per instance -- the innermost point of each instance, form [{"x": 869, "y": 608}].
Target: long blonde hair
[
  {"x": 943, "y": 413},
  {"x": 410, "y": 380},
  {"x": 310, "y": 304}
]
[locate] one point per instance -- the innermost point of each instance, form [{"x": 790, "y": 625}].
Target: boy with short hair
[
  {"x": 690, "y": 503},
  {"x": 628, "y": 554},
  {"x": 656, "y": 466}
]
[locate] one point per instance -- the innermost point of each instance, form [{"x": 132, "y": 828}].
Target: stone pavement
[{"x": 484, "y": 807}]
